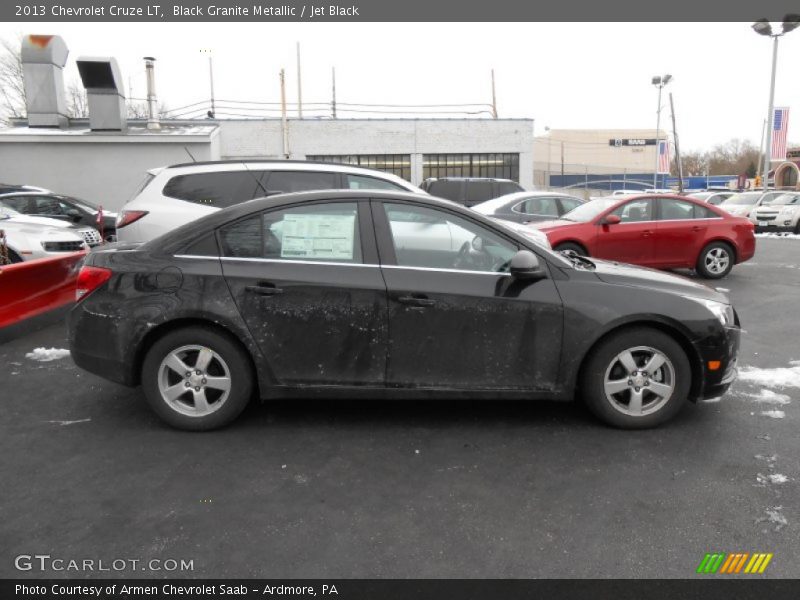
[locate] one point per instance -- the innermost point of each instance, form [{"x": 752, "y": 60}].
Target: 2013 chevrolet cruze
[{"x": 376, "y": 294}]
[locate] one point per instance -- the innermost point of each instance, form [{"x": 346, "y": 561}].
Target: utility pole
[
  {"x": 494, "y": 98},
  {"x": 333, "y": 100},
  {"x": 770, "y": 114},
  {"x": 284, "y": 122},
  {"x": 677, "y": 145},
  {"x": 762, "y": 163},
  {"x": 299, "y": 86}
]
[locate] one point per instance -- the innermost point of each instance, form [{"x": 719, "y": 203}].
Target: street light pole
[
  {"x": 659, "y": 82},
  {"x": 770, "y": 118},
  {"x": 763, "y": 27}
]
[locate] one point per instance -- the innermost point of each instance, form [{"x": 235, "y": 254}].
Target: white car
[
  {"x": 744, "y": 203},
  {"x": 173, "y": 196},
  {"x": 90, "y": 235},
  {"x": 29, "y": 241}
]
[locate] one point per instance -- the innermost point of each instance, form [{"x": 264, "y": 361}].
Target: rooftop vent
[
  {"x": 43, "y": 59},
  {"x": 104, "y": 90}
]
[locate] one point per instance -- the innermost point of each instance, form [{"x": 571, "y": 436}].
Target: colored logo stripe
[{"x": 723, "y": 563}]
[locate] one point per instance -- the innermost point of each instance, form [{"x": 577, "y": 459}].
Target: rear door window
[
  {"x": 316, "y": 232},
  {"x": 218, "y": 189},
  {"x": 676, "y": 210},
  {"x": 362, "y": 182},
  {"x": 18, "y": 203},
  {"x": 301, "y": 181},
  {"x": 539, "y": 205}
]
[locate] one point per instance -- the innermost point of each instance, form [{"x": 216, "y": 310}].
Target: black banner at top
[{"x": 392, "y": 10}]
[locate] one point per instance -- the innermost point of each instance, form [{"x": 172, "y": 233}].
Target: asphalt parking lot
[{"x": 438, "y": 489}]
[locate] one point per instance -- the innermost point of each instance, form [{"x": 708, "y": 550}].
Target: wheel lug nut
[
  {"x": 188, "y": 384},
  {"x": 188, "y": 374},
  {"x": 197, "y": 389},
  {"x": 630, "y": 382},
  {"x": 203, "y": 381},
  {"x": 636, "y": 389},
  {"x": 197, "y": 372}
]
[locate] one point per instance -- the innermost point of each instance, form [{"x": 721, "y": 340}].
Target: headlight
[
  {"x": 788, "y": 210},
  {"x": 723, "y": 312}
]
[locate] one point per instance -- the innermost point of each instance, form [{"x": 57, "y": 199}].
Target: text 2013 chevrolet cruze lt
[{"x": 376, "y": 294}]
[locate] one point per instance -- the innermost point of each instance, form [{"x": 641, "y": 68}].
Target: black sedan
[
  {"x": 527, "y": 207},
  {"x": 387, "y": 294},
  {"x": 66, "y": 208}
]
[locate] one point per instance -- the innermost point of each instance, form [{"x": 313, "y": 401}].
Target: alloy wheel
[
  {"x": 194, "y": 380},
  {"x": 639, "y": 381},
  {"x": 717, "y": 260}
]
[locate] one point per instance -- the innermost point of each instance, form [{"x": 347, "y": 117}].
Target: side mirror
[
  {"x": 525, "y": 265},
  {"x": 611, "y": 220}
]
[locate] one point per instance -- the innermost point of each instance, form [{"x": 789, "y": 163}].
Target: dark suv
[{"x": 470, "y": 191}]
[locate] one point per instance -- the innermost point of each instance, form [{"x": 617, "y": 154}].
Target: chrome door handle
[
  {"x": 419, "y": 300},
  {"x": 264, "y": 289}
]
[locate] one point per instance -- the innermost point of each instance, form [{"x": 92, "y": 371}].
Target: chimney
[
  {"x": 43, "y": 60},
  {"x": 104, "y": 90},
  {"x": 152, "y": 102}
]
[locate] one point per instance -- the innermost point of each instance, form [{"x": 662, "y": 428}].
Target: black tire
[
  {"x": 615, "y": 409},
  {"x": 705, "y": 265},
  {"x": 228, "y": 355},
  {"x": 576, "y": 248}
]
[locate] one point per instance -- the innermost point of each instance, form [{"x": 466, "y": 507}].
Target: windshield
[
  {"x": 84, "y": 204},
  {"x": 6, "y": 212},
  {"x": 490, "y": 206},
  {"x": 787, "y": 199},
  {"x": 586, "y": 212},
  {"x": 744, "y": 199}
]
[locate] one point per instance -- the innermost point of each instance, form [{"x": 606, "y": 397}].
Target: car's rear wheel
[
  {"x": 197, "y": 378},
  {"x": 637, "y": 378},
  {"x": 576, "y": 248},
  {"x": 716, "y": 260}
]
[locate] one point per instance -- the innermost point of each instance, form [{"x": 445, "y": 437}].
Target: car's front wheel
[
  {"x": 715, "y": 261},
  {"x": 197, "y": 378},
  {"x": 637, "y": 378},
  {"x": 576, "y": 248}
]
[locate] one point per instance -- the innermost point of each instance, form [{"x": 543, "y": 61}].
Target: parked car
[
  {"x": 29, "y": 241},
  {"x": 743, "y": 203},
  {"x": 89, "y": 234},
  {"x": 470, "y": 191},
  {"x": 664, "y": 232},
  {"x": 65, "y": 208},
  {"x": 332, "y": 293},
  {"x": 173, "y": 196},
  {"x": 713, "y": 198},
  {"x": 781, "y": 214},
  {"x": 524, "y": 207}
]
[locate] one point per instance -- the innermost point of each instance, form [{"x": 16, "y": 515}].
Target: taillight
[
  {"x": 89, "y": 279},
  {"x": 126, "y": 217}
]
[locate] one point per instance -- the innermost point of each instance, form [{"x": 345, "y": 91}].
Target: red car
[{"x": 662, "y": 231}]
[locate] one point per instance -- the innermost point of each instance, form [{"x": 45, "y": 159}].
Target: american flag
[
  {"x": 780, "y": 124},
  {"x": 663, "y": 156}
]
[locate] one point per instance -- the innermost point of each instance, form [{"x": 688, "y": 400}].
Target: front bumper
[{"x": 724, "y": 349}]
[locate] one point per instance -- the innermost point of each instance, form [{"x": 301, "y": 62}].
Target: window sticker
[{"x": 318, "y": 236}]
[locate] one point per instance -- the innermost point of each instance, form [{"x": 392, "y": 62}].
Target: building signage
[{"x": 619, "y": 142}]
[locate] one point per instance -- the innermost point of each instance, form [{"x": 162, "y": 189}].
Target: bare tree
[
  {"x": 137, "y": 109},
  {"x": 12, "y": 89},
  {"x": 77, "y": 103}
]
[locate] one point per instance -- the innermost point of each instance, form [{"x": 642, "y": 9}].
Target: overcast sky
[{"x": 593, "y": 75}]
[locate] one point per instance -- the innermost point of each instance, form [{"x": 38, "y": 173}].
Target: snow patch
[
  {"x": 770, "y": 397},
  {"x": 47, "y": 354},
  {"x": 62, "y": 423},
  {"x": 773, "y": 414},
  {"x": 774, "y": 517},
  {"x": 784, "y": 236},
  {"x": 777, "y": 478},
  {"x": 778, "y": 377}
]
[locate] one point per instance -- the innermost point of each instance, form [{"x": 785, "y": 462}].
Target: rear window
[
  {"x": 362, "y": 182},
  {"x": 220, "y": 189},
  {"x": 508, "y": 187},
  {"x": 479, "y": 191},
  {"x": 301, "y": 181},
  {"x": 449, "y": 190}
]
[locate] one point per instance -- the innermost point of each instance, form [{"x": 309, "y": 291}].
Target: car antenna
[
  {"x": 190, "y": 154},
  {"x": 257, "y": 180}
]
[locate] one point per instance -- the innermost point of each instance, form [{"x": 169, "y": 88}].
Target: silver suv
[
  {"x": 781, "y": 214},
  {"x": 173, "y": 196}
]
